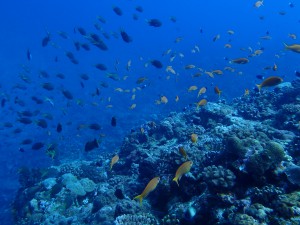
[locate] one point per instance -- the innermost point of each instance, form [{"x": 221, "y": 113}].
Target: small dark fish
[
  {"x": 260, "y": 77},
  {"x": 139, "y": 9},
  {"x": 42, "y": 123},
  {"x": 19, "y": 101},
  {"x": 95, "y": 126},
  {"x": 101, "y": 45},
  {"x": 25, "y": 120},
  {"x": 27, "y": 113},
  {"x": 156, "y": 63},
  {"x": 81, "y": 31},
  {"x": 95, "y": 37},
  {"x": 97, "y": 26},
  {"x": 48, "y": 86},
  {"x": 74, "y": 61},
  {"x": 97, "y": 92},
  {"x": 8, "y": 125},
  {"x": 90, "y": 145},
  {"x": 44, "y": 74},
  {"x": 46, "y": 40},
  {"x": 135, "y": 16},
  {"x": 59, "y": 128},
  {"x": 125, "y": 36},
  {"x": 104, "y": 84},
  {"x": 37, "y": 100},
  {"x": 291, "y": 4},
  {"x": 21, "y": 149},
  {"x": 3, "y": 101},
  {"x": 101, "y": 19},
  {"x": 63, "y": 34},
  {"x": 77, "y": 45},
  {"x": 84, "y": 76},
  {"x": 117, "y": 10},
  {"x": 37, "y": 146},
  {"x": 48, "y": 116},
  {"x": 67, "y": 94},
  {"x": 26, "y": 142},
  {"x": 113, "y": 121},
  {"x": 60, "y": 75},
  {"x": 101, "y": 66},
  {"x": 81, "y": 84},
  {"x": 70, "y": 55},
  {"x": 297, "y": 73},
  {"x": 28, "y": 54},
  {"x": 154, "y": 23},
  {"x": 85, "y": 46},
  {"x": 173, "y": 19},
  {"x": 17, "y": 130},
  {"x": 106, "y": 35}
]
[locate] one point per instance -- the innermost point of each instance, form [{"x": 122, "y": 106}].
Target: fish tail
[
  {"x": 176, "y": 180},
  {"x": 285, "y": 45},
  {"x": 140, "y": 198},
  {"x": 258, "y": 86}
]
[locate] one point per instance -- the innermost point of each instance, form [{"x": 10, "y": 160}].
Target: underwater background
[{"x": 79, "y": 79}]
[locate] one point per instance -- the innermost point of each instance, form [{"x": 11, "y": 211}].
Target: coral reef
[{"x": 245, "y": 170}]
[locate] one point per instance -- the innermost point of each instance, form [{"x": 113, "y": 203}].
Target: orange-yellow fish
[
  {"x": 227, "y": 46},
  {"x": 183, "y": 152},
  {"x": 183, "y": 169},
  {"x": 246, "y": 92},
  {"x": 194, "y": 138},
  {"x": 132, "y": 106},
  {"x": 150, "y": 187},
  {"x": 240, "y": 61},
  {"x": 163, "y": 99},
  {"x": 202, "y": 102},
  {"x": 114, "y": 160},
  {"x": 230, "y": 32},
  {"x": 192, "y": 88},
  {"x": 133, "y": 97},
  {"x": 270, "y": 82},
  {"x": 176, "y": 98},
  {"x": 293, "y": 48},
  {"x": 218, "y": 72},
  {"x": 170, "y": 69},
  {"x": 209, "y": 74},
  {"x": 189, "y": 66},
  {"x": 258, "y": 4},
  {"x": 217, "y": 90},
  {"x": 201, "y": 91},
  {"x": 293, "y": 36}
]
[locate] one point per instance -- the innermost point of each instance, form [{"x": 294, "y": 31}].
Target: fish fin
[
  {"x": 176, "y": 180},
  {"x": 139, "y": 197}
]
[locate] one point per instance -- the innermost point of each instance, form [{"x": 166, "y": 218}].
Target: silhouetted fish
[
  {"x": 117, "y": 10},
  {"x": 90, "y": 145},
  {"x": 101, "y": 66},
  {"x": 154, "y": 22},
  {"x": 59, "y": 128},
  {"x": 37, "y": 146},
  {"x": 67, "y": 94},
  {"x": 125, "y": 36},
  {"x": 156, "y": 63},
  {"x": 28, "y": 54},
  {"x": 113, "y": 121},
  {"x": 46, "y": 40},
  {"x": 25, "y": 120}
]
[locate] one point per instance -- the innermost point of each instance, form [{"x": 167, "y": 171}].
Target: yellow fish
[
  {"x": 114, "y": 160},
  {"x": 202, "y": 102},
  {"x": 183, "y": 169},
  {"x": 192, "y": 88},
  {"x": 132, "y": 106},
  {"x": 201, "y": 91},
  {"x": 150, "y": 187}
]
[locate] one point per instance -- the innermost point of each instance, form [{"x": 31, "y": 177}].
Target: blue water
[{"x": 25, "y": 23}]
